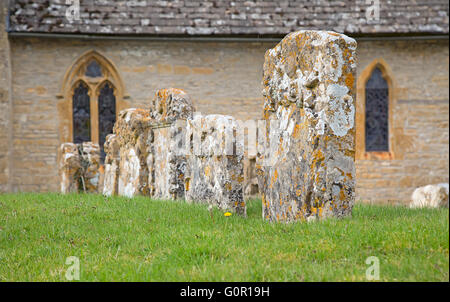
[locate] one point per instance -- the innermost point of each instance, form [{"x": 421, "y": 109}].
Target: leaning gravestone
[
  {"x": 307, "y": 170},
  {"x": 215, "y": 172}
]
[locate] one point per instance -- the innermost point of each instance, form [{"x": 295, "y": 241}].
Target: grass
[{"x": 118, "y": 239}]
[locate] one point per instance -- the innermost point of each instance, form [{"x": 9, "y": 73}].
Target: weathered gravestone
[
  {"x": 112, "y": 160},
  {"x": 170, "y": 110},
  {"x": 430, "y": 196},
  {"x": 80, "y": 167},
  {"x": 133, "y": 134},
  {"x": 70, "y": 168},
  {"x": 90, "y": 161},
  {"x": 214, "y": 173},
  {"x": 307, "y": 170},
  {"x": 142, "y": 155}
]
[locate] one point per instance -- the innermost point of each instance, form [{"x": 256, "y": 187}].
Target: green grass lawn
[{"x": 118, "y": 239}]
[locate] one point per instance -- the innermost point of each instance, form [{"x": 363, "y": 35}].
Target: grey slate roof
[{"x": 226, "y": 17}]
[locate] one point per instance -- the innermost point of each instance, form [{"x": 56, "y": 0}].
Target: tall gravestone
[
  {"x": 133, "y": 134},
  {"x": 170, "y": 110},
  {"x": 307, "y": 169},
  {"x": 112, "y": 161},
  {"x": 215, "y": 171}
]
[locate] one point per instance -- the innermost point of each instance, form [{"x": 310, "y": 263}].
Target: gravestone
[
  {"x": 70, "y": 168},
  {"x": 306, "y": 169},
  {"x": 430, "y": 196},
  {"x": 133, "y": 134},
  {"x": 215, "y": 172},
  {"x": 90, "y": 162},
  {"x": 170, "y": 109},
  {"x": 80, "y": 167},
  {"x": 112, "y": 160}
]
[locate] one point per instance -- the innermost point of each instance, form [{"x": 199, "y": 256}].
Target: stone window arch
[
  {"x": 81, "y": 112},
  {"x": 376, "y": 91},
  {"x": 377, "y": 112},
  {"x": 106, "y": 96},
  {"x": 91, "y": 98}
]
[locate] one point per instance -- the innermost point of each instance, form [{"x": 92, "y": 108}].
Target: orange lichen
[
  {"x": 207, "y": 170},
  {"x": 342, "y": 195},
  {"x": 349, "y": 80}
]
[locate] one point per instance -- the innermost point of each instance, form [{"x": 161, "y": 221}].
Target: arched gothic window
[
  {"x": 377, "y": 112},
  {"x": 93, "y": 96},
  {"x": 81, "y": 113},
  {"x": 106, "y": 113}
]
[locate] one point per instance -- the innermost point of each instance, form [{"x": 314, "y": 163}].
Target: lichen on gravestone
[
  {"x": 307, "y": 170},
  {"x": 214, "y": 171},
  {"x": 70, "y": 168},
  {"x": 80, "y": 167},
  {"x": 170, "y": 109},
  {"x": 90, "y": 162},
  {"x": 112, "y": 160},
  {"x": 133, "y": 134}
]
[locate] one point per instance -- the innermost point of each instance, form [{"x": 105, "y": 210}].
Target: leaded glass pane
[
  {"x": 377, "y": 112},
  {"x": 93, "y": 70},
  {"x": 81, "y": 114},
  {"x": 106, "y": 114}
]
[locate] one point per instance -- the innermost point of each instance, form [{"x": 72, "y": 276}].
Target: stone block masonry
[
  {"x": 215, "y": 172},
  {"x": 307, "y": 170}
]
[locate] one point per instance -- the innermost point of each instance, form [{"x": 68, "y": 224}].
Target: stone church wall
[
  {"x": 420, "y": 121},
  {"x": 4, "y": 102},
  {"x": 222, "y": 78}
]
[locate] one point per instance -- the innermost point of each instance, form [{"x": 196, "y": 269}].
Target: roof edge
[{"x": 218, "y": 38}]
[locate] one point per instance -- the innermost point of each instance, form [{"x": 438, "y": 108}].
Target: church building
[{"x": 67, "y": 68}]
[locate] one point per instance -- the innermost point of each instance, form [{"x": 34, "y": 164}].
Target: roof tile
[{"x": 225, "y": 17}]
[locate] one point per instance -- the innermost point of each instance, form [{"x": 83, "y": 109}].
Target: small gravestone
[
  {"x": 90, "y": 161},
  {"x": 70, "y": 167},
  {"x": 215, "y": 172},
  {"x": 80, "y": 167},
  {"x": 430, "y": 196}
]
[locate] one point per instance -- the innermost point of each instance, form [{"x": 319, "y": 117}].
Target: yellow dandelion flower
[{"x": 227, "y": 214}]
